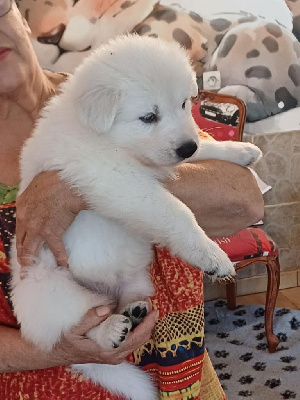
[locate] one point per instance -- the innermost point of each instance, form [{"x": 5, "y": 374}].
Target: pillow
[
  {"x": 247, "y": 243},
  {"x": 271, "y": 10}
]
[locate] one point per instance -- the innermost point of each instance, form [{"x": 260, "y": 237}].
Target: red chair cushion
[{"x": 247, "y": 243}]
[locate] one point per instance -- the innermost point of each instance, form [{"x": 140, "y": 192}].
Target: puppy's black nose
[{"x": 187, "y": 149}]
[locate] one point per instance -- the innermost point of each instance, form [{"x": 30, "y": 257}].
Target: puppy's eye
[
  {"x": 149, "y": 118},
  {"x": 183, "y": 105}
]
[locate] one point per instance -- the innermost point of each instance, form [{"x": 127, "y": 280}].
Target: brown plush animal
[{"x": 258, "y": 61}]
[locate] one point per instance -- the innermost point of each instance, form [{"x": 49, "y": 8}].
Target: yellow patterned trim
[
  {"x": 189, "y": 393},
  {"x": 173, "y": 331}
]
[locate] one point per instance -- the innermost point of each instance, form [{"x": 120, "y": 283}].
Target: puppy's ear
[{"x": 97, "y": 108}]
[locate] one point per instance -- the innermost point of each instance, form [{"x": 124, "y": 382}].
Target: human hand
[
  {"x": 76, "y": 348},
  {"x": 45, "y": 210}
]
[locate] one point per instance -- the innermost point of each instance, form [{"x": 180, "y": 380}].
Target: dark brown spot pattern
[
  {"x": 253, "y": 54},
  {"x": 196, "y": 17},
  {"x": 259, "y": 72},
  {"x": 168, "y": 15},
  {"x": 220, "y": 24},
  {"x": 127, "y": 4},
  {"x": 294, "y": 74},
  {"x": 227, "y": 45},
  {"x": 204, "y": 46},
  {"x": 270, "y": 44},
  {"x": 182, "y": 37},
  {"x": 282, "y": 94},
  {"x": 274, "y": 30},
  {"x": 250, "y": 18},
  {"x": 218, "y": 38},
  {"x": 143, "y": 29}
]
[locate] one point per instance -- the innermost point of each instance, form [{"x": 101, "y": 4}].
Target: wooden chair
[{"x": 223, "y": 117}]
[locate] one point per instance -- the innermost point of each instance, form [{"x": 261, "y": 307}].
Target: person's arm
[
  {"x": 224, "y": 197},
  {"x": 75, "y": 348},
  {"x": 45, "y": 210}
]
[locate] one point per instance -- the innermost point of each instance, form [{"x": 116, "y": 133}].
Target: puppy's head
[{"x": 136, "y": 91}]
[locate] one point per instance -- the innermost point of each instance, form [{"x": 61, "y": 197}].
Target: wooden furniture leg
[
  {"x": 273, "y": 269},
  {"x": 231, "y": 295}
]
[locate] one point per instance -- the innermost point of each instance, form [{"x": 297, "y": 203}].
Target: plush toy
[
  {"x": 294, "y": 6},
  {"x": 257, "y": 60}
]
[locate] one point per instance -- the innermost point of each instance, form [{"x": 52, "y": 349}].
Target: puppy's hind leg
[
  {"x": 130, "y": 312},
  {"x": 48, "y": 302},
  {"x": 124, "y": 379},
  {"x": 134, "y": 291}
]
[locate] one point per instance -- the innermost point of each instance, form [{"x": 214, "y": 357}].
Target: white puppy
[{"x": 119, "y": 127}]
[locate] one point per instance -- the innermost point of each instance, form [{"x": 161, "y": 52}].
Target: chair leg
[
  {"x": 231, "y": 295},
  {"x": 273, "y": 268}
]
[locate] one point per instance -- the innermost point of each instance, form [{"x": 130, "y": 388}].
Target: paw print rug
[{"x": 237, "y": 347}]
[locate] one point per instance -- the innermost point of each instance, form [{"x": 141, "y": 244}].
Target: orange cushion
[{"x": 247, "y": 243}]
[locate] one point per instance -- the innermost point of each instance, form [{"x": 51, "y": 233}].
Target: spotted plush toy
[{"x": 258, "y": 61}]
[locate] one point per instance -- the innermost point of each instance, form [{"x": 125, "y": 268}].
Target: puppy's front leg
[
  {"x": 156, "y": 215},
  {"x": 236, "y": 152},
  {"x": 137, "y": 200}
]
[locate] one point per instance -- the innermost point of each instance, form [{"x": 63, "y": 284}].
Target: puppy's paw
[
  {"x": 247, "y": 154},
  {"x": 217, "y": 264},
  {"x": 136, "y": 312},
  {"x": 111, "y": 333},
  {"x": 210, "y": 258}
]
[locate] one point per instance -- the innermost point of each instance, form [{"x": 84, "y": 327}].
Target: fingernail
[
  {"x": 63, "y": 263},
  {"x": 102, "y": 311}
]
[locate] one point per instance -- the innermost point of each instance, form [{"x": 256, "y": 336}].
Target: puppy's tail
[{"x": 123, "y": 379}]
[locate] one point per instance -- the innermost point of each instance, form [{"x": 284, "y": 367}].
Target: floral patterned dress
[{"x": 175, "y": 355}]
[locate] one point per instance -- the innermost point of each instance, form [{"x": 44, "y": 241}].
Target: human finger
[
  {"x": 148, "y": 300},
  {"x": 29, "y": 249},
  {"x": 142, "y": 332},
  {"x": 56, "y": 245},
  {"x": 92, "y": 318},
  {"x": 20, "y": 236}
]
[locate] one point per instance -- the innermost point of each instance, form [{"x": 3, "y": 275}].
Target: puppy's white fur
[{"x": 92, "y": 133}]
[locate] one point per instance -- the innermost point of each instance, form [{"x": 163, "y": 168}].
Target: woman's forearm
[
  {"x": 18, "y": 355},
  {"x": 75, "y": 347},
  {"x": 223, "y": 196}
]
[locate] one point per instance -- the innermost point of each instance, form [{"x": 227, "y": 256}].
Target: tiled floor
[{"x": 287, "y": 298}]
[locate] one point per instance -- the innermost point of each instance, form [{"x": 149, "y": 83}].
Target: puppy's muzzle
[{"x": 187, "y": 149}]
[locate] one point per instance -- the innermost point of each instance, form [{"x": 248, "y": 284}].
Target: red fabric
[
  {"x": 175, "y": 375},
  {"x": 174, "y": 355},
  {"x": 7, "y": 227},
  {"x": 247, "y": 243}
]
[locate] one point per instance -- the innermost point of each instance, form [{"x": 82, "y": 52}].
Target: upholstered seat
[{"x": 250, "y": 246}]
